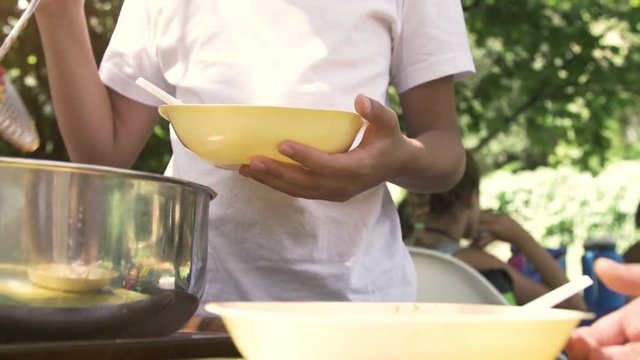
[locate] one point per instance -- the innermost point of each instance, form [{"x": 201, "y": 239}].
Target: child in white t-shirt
[{"x": 325, "y": 231}]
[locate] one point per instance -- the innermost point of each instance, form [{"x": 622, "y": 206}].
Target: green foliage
[
  {"x": 564, "y": 206},
  {"x": 557, "y": 82}
]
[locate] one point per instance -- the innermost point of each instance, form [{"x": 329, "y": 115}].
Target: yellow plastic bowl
[
  {"x": 64, "y": 277},
  {"x": 403, "y": 331},
  {"x": 231, "y": 135}
]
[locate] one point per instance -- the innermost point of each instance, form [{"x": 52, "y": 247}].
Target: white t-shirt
[{"x": 263, "y": 244}]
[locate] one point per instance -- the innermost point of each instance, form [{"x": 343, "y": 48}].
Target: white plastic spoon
[
  {"x": 560, "y": 294},
  {"x": 158, "y": 93},
  {"x": 17, "y": 28}
]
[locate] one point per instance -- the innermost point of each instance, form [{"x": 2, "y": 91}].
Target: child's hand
[{"x": 337, "y": 177}]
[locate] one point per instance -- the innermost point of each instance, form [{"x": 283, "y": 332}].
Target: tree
[{"x": 557, "y": 83}]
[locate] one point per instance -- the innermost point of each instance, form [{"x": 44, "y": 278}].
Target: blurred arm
[
  {"x": 502, "y": 227},
  {"x": 551, "y": 272}
]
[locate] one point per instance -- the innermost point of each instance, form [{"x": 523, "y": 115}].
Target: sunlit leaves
[{"x": 554, "y": 76}]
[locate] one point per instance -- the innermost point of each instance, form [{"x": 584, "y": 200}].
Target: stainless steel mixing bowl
[{"x": 90, "y": 252}]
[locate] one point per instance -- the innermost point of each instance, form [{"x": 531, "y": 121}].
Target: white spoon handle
[
  {"x": 17, "y": 28},
  {"x": 157, "y": 92},
  {"x": 560, "y": 294}
]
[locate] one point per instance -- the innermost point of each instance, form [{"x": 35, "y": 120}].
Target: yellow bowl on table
[
  {"x": 403, "y": 331},
  {"x": 231, "y": 135}
]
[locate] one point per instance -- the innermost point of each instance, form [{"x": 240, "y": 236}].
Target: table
[
  {"x": 201, "y": 338},
  {"x": 178, "y": 346}
]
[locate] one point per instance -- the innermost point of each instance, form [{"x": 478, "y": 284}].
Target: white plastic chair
[{"x": 443, "y": 278}]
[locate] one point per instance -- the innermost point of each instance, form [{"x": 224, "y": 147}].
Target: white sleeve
[
  {"x": 432, "y": 43},
  {"x": 131, "y": 54}
]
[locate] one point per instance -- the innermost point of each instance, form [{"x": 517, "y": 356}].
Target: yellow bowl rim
[{"x": 515, "y": 314}]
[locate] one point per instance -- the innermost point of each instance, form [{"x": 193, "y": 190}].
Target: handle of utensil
[
  {"x": 17, "y": 29},
  {"x": 157, "y": 92},
  {"x": 560, "y": 294}
]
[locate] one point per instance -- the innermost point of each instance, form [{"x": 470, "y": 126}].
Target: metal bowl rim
[{"x": 102, "y": 170}]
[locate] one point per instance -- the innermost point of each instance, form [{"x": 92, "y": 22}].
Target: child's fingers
[{"x": 378, "y": 115}]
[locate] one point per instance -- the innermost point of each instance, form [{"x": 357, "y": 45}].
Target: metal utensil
[
  {"x": 16, "y": 125},
  {"x": 143, "y": 229}
]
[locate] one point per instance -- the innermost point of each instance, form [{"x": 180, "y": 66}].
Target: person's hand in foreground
[{"x": 616, "y": 335}]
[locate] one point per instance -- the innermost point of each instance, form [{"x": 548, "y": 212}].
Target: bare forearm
[
  {"x": 434, "y": 162},
  {"x": 432, "y": 159},
  {"x": 551, "y": 273},
  {"x": 82, "y": 105}
]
